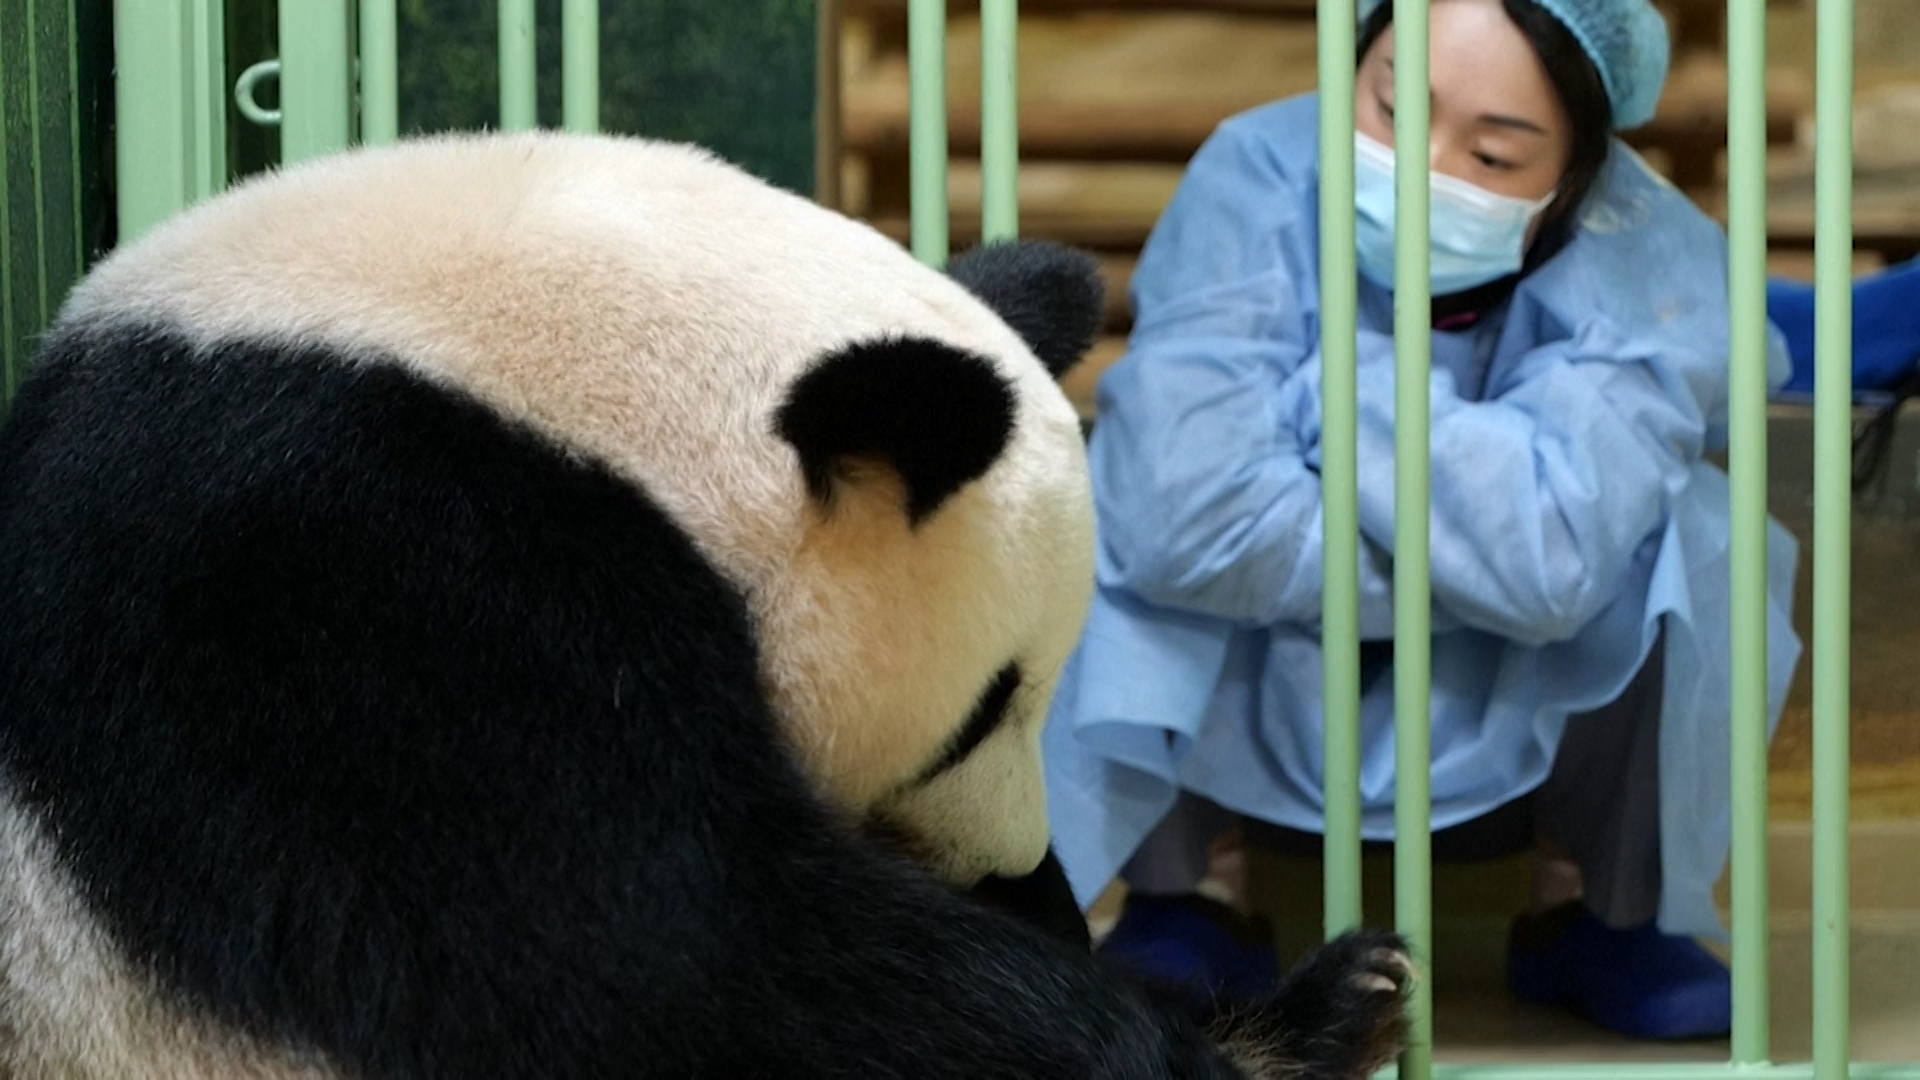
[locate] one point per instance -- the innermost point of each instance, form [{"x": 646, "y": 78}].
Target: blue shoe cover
[
  {"x": 1640, "y": 983},
  {"x": 1194, "y": 942}
]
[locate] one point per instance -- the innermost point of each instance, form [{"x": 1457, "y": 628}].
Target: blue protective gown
[{"x": 1572, "y": 513}]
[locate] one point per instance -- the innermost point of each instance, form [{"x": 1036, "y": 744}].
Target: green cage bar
[
  {"x": 1656, "y": 1071},
  {"x": 580, "y": 65},
  {"x": 1747, "y": 473},
  {"x": 162, "y": 95},
  {"x": 1412, "y": 596},
  {"x": 999, "y": 120},
  {"x": 1339, "y": 469},
  {"x": 379, "y": 71},
  {"x": 1832, "y": 533},
  {"x": 927, "y": 138},
  {"x": 316, "y": 91},
  {"x": 519, "y": 104},
  {"x": 206, "y": 32}
]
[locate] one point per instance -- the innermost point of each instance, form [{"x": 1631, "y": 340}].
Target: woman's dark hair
[{"x": 1575, "y": 80}]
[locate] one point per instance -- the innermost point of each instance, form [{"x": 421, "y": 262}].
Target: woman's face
[{"x": 1497, "y": 122}]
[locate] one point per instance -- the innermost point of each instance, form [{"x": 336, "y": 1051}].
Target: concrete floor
[
  {"x": 1885, "y": 625},
  {"x": 1476, "y": 1021},
  {"x": 1486, "y": 1026}
]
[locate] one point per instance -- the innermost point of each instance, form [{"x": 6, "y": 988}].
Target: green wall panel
[
  {"x": 51, "y": 162},
  {"x": 736, "y": 76}
]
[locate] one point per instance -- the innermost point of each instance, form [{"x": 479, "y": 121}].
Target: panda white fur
[{"x": 556, "y": 606}]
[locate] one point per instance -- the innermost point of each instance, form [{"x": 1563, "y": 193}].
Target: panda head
[
  {"x": 876, "y": 453},
  {"x": 946, "y": 480}
]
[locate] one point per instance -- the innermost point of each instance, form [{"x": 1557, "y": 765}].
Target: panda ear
[
  {"x": 937, "y": 415},
  {"x": 1051, "y": 295}
]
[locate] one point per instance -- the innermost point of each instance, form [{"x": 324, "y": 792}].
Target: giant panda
[{"x": 550, "y": 605}]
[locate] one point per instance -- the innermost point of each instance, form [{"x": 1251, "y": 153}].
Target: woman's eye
[{"x": 1492, "y": 162}]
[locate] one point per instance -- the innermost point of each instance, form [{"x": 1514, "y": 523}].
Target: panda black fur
[{"x": 547, "y": 606}]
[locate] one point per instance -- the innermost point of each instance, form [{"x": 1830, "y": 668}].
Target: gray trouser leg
[
  {"x": 1173, "y": 859},
  {"x": 1601, "y": 804}
]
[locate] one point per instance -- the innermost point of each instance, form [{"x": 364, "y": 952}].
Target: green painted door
[
  {"x": 736, "y": 76},
  {"x": 56, "y": 60}
]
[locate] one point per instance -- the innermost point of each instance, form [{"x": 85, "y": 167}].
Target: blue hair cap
[{"x": 1627, "y": 40}]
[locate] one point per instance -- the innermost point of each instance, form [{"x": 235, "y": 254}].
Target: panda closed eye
[{"x": 989, "y": 713}]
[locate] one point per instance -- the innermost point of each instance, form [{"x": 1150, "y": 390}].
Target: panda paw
[{"x": 1341, "y": 1014}]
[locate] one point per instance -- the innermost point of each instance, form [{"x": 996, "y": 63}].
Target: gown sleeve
[
  {"x": 1542, "y": 494},
  {"x": 1208, "y": 503}
]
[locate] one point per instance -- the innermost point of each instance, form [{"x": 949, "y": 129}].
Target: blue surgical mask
[{"x": 1477, "y": 236}]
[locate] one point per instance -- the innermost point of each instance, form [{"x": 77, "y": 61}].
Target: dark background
[{"x": 736, "y": 76}]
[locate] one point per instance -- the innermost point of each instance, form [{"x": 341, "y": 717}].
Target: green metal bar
[
  {"x": 580, "y": 65},
  {"x": 519, "y": 104},
  {"x": 1642, "y": 1071},
  {"x": 209, "y": 101},
  {"x": 1412, "y": 597},
  {"x": 1747, "y": 469},
  {"x": 316, "y": 69},
  {"x": 1832, "y": 532},
  {"x": 153, "y": 141},
  {"x": 1339, "y": 470},
  {"x": 927, "y": 115},
  {"x": 379, "y": 71},
  {"x": 999, "y": 120}
]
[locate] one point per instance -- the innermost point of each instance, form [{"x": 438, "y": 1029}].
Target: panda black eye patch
[{"x": 987, "y": 716}]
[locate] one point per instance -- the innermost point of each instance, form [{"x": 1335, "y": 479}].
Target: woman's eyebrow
[{"x": 1515, "y": 122}]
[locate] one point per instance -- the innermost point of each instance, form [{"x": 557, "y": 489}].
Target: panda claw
[
  {"x": 1396, "y": 960},
  {"x": 1375, "y": 983},
  {"x": 1340, "y": 1014}
]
